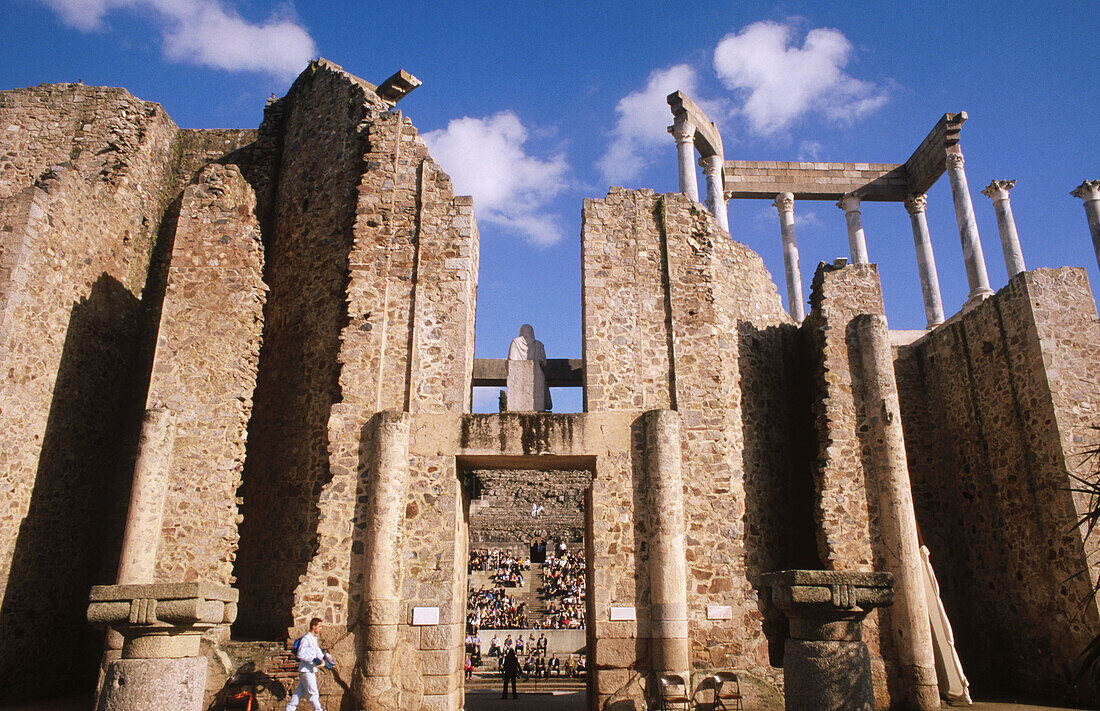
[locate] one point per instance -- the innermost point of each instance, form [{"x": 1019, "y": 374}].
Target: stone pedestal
[
  {"x": 526, "y": 386},
  {"x": 826, "y": 664},
  {"x": 161, "y": 625}
]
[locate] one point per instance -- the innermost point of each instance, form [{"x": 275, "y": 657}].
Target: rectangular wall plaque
[
  {"x": 425, "y": 615},
  {"x": 623, "y": 614},
  {"x": 719, "y": 612}
]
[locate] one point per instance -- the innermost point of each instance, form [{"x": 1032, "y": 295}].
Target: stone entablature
[{"x": 815, "y": 180}]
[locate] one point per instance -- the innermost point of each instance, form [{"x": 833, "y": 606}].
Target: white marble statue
[{"x": 526, "y": 347}]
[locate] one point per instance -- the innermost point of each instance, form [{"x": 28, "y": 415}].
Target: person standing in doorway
[
  {"x": 310, "y": 658},
  {"x": 511, "y": 671}
]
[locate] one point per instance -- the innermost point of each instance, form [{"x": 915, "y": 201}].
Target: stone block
[{"x": 141, "y": 684}]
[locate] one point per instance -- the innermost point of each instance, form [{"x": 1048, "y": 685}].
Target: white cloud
[
  {"x": 782, "y": 82},
  {"x": 206, "y": 32},
  {"x": 642, "y": 122},
  {"x": 485, "y": 157}
]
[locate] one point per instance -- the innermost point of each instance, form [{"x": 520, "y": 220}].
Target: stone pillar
[
  {"x": 684, "y": 133},
  {"x": 382, "y": 610},
  {"x": 857, "y": 243},
  {"x": 526, "y": 386},
  {"x": 926, "y": 261},
  {"x": 997, "y": 191},
  {"x": 161, "y": 626},
  {"x": 826, "y": 665},
  {"x": 1089, "y": 191},
  {"x": 668, "y": 638},
  {"x": 784, "y": 203},
  {"x": 976, "y": 275},
  {"x": 141, "y": 536},
  {"x": 716, "y": 191},
  {"x": 897, "y": 523}
]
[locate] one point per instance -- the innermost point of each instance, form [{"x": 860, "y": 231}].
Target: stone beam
[
  {"x": 397, "y": 87},
  {"x": 815, "y": 180},
  {"x": 929, "y": 161},
  {"x": 560, "y": 372},
  {"x": 707, "y": 139}
]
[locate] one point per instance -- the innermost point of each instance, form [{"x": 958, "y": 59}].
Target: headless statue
[{"x": 525, "y": 347}]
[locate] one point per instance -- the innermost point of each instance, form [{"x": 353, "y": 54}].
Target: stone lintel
[
  {"x": 397, "y": 86},
  {"x": 708, "y": 141},
  {"x": 806, "y": 180},
  {"x": 163, "y": 591},
  {"x": 929, "y": 161},
  {"x": 560, "y": 372},
  {"x": 162, "y": 606}
]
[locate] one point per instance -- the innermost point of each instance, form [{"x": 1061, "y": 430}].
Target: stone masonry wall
[
  {"x": 663, "y": 285},
  {"x": 204, "y": 371},
  {"x": 502, "y": 512},
  {"x": 998, "y": 405},
  {"x": 845, "y": 507},
  {"x": 84, "y": 178}
]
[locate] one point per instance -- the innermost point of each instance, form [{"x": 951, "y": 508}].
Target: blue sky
[{"x": 534, "y": 106}]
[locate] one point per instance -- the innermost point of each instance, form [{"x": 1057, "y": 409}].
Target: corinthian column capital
[
  {"x": 915, "y": 204},
  {"x": 954, "y": 160},
  {"x": 1088, "y": 190},
  {"x": 998, "y": 189},
  {"x": 784, "y": 202},
  {"x": 849, "y": 202},
  {"x": 682, "y": 130}
]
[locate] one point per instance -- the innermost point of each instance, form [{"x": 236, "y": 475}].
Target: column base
[
  {"x": 142, "y": 684},
  {"x": 978, "y": 296}
]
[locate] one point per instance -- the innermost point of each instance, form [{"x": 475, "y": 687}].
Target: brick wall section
[
  {"x": 84, "y": 175},
  {"x": 205, "y": 371},
  {"x": 997, "y": 407},
  {"x": 502, "y": 513},
  {"x": 654, "y": 266}
]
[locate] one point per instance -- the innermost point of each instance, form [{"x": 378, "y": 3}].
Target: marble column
[
  {"x": 141, "y": 535},
  {"x": 668, "y": 627},
  {"x": 857, "y": 243},
  {"x": 716, "y": 191},
  {"x": 976, "y": 275},
  {"x": 684, "y": 133},
  {"x": 997, "y": 191},
  {"x": 926, "y": 261},
  {"x": 382, "y": 609},
  {"x": 897, "y": 522},
  {"x": 784, "y": 203},
  {"x": 1089, "y": 191}
]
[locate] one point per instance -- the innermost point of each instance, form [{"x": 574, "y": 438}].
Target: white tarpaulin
[{"x": 952, "y": 681}]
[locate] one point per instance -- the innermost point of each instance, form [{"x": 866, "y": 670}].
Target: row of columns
[{"x": 977, "y": 277}]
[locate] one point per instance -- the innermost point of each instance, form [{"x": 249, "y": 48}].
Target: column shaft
[
  {"x": 912, "y": 632},
  {"x": 976, "y": 275},
  {"x": 684, "y": 132},
  {"x": 1089, "y": 192},
  {"x": 669, "y": 651},
  {"x": 997, "y": 191},
  {"x": 381, "y": 555},
  {"x": 716, "y": 194},
  {"x": 926, "y": 262},
  {"x": 138, "y": 561},
  {"x": 857, "y": 242},
  {"x": 784, "y": 203}
]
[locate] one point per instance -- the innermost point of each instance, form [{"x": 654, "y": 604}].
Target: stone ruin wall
[
  {"x": 502, "y": 513},
  {"x": 84, "y": 177},
  {"x": 998, "y": 406},
  {"x": 662, "y": 284}
]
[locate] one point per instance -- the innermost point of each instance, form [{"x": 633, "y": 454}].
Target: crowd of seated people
[
  {"x": 566, "y": 587},
  {"x": 494, "y": 609},
  {"x": 506, "y": 568}
]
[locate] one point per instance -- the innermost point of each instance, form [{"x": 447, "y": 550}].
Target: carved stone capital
[
  {"x": 712, "y": 163},
  {"x": 1088, "y": 190},
  {"x": 998, "y": 189},
  {"x": 682, "y": 130},
  {"x": 915, "y": 204},
  {"x": 955, "y": 160},
  {"x": 849, "y": 202},
  {"x": 784, "y": 202}
]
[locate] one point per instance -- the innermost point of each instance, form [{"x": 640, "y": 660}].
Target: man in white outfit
[{"x": 310, "y": 657}]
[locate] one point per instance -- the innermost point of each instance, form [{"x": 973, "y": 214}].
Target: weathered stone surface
[{"x": 139, "y": 684}]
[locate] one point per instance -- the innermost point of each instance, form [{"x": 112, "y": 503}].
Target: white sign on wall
[
  {"x": 719, "y": 612},
  {"x": 425, "y": 616},
  {"x": 623, "y": 614}
]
